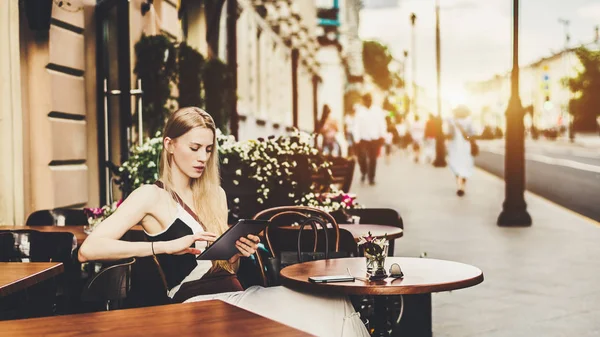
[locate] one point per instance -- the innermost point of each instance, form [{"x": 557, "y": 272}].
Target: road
[{"x": 566, "y": 174}]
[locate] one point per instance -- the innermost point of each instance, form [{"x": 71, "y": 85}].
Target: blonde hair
[{"x": 208, "y": 205}]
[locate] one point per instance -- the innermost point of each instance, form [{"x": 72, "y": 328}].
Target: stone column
[{"x": 11, "y": 118}]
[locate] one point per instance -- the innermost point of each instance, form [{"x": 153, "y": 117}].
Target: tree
[
  {"x": 585, "y": 106},
  {"x": 376, "y": 59}
]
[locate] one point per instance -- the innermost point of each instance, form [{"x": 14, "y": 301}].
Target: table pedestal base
[{"x": 416, "y": 318}]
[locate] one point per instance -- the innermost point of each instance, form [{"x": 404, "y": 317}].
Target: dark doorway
[{"x": 113, "y": 89}]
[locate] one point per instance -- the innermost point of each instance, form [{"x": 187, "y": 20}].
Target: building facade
[
  {"x": 69, "y": 92},
  {"x": 541, "y": 88}
]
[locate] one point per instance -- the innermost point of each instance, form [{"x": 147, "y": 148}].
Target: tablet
[{"x": 224, "y": 247}]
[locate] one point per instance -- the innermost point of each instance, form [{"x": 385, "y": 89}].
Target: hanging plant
[
  {"x": 190, "y": 65},
  {"x": 218, "y": 91},
  {"x": 156, "y": 67}
]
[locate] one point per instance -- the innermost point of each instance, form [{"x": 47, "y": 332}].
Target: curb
[{"x": 552, "y": 203}]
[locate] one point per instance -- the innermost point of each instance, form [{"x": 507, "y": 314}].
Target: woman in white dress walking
[{"x": 460, "y": 159}]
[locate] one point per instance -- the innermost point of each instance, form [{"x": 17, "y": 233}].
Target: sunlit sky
[{"x": 476, "y": 35}]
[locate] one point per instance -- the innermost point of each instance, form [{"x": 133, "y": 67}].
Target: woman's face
[{"x": 192, "y": 150}]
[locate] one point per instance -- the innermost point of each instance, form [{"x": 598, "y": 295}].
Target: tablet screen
[{"x": 224, "y": 247}]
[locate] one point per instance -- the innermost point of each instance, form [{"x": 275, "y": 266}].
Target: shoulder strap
[
  {"x": 182, "y": 204},
  {"x": 462, "y": 131}
]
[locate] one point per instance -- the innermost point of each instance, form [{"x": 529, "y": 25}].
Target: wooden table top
[
  {"x": 358, "y": 230},
  {"x": 80, "y": 235},
  {"x": 378, "y": 231},
  {"x": 421, "y": 276},
  {"x": 206, "y": 318},
  {"x": 78, "y": 231},
  {"x": 16, "y": 276}
]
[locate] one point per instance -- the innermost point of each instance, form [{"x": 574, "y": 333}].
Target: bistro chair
[
  {"x": 285, "y": 245},
  {"x": 378, "y": 216},
  {"x": 32, "y": 246},
  {"x": 57, "y": 217},
  {"x": 111, "y": 285}
]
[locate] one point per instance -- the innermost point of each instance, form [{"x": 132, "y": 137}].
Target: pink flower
[
  {"x": 369, "y": 237},
  {"x": 119, "y": 202},
  {"x": 94, "y": 212}
]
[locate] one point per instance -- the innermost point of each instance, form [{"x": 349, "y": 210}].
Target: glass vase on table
[{"x": 375, "y": 251}]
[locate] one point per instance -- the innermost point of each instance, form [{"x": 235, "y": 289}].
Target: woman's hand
[
  {"x": 183, "y": 245},
  {"x": 246, "y": 246}
]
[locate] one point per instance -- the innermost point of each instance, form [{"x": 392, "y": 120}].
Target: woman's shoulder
[{"x": 147, "y": 194}]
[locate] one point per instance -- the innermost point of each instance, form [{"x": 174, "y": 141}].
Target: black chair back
[
  {"x": 282, "y": 240},
  {"x": 34, "y": 246},
  {"x": 111, "y": 285},
  {"x": 285, "y": 216},
  {"x": 378, "y": 216},
  {"x": 54, "y": 217}
]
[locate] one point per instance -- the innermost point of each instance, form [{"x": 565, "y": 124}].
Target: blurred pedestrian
[
  {"x": 417, "y": 132},
  {"x": 349, "y": 131},
  {"x": 389, "y": 137},
  {"x": 429, "y": 143},
  {"x": 369, "y": 133},
  {"x": 460, "y": 158},
  {"x": 329, "y": 132}
]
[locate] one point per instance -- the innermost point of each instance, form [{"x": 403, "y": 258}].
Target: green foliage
[
  {"x": 161, "y": 63},
  {"x": 142, "y": 165},
  {"x": 388, "y": 105},
  {"x": 156, "y": 67},
  {"x": 585, "y": 106},
  {"x": 191, "y": 66},
  {"x": 376, "y": 58},
  {"x": 397, "y": 80},
  {"x": 255, "y": 174},
  {"x": 268, "y": 173},
  {"x": 219, "y": 92}
]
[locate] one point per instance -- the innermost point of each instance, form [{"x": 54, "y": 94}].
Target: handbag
[
  {"x": 471, "y": 140},
  {"x": 274, "y": 264},
  {"x": 474, "y": 147}
]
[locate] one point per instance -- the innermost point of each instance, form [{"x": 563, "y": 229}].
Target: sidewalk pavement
[
  {"x": 539, "y": 281},
  {"x": 590, "y": 140}
]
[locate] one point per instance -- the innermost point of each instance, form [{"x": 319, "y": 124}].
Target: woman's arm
[{"x": 104, "y": 243}]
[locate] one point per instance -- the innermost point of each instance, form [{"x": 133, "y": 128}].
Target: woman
[
  {"x": 417, "y": 133},
  {"x": 460, "y": 159},
  {"x": 330, "y": 144},
  {"x": 189, "y": 190}
]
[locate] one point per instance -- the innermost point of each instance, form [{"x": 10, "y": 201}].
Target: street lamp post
[
  {"x": 413, "y": 19},
  {"x": 232, "y": 63},
  {"x": 405, "y": 70},
  {"x": 566, "y": 23},
  {"x": 440, "y": 149},
  {"x": 514, "y": 208}
]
